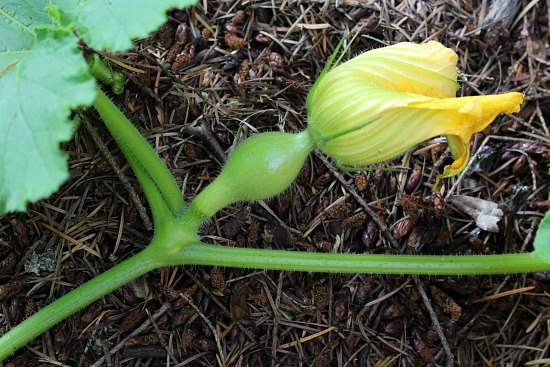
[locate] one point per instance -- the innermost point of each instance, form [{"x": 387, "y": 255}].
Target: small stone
[{"x": 44, "y": 262}]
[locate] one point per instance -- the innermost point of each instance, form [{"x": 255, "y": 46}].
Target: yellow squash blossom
[{"x": 385, "y": 101}]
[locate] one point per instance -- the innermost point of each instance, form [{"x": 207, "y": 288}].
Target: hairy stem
[
  {"x": 141, "y": 156},
  {"x": 205, "y": 254},
  {"x": 77, "y": 299}
]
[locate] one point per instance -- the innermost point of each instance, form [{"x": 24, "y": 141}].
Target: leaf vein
[{"x": 17, "y": 22}]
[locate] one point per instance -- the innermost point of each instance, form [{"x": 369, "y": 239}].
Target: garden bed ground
[{"x": 243, "y": 67}]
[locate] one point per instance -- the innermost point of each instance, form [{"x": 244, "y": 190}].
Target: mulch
[{"x": 218, "y": 73}]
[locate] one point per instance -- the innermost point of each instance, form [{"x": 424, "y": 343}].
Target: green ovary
[
  {"x": 261, "y": 167},
  {"x": 265, "y": 165}
]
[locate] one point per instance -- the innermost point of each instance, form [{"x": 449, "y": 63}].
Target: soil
[{"x": 224, "y": 70}]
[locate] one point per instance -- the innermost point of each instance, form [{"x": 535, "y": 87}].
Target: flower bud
[{"x": 385, "y": 101}]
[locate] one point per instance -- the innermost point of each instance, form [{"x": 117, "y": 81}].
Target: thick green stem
[
  {"x": 204, "y": 254},
  {"x": 141, "y": 157},
  {"x": 77, "y": 299}
]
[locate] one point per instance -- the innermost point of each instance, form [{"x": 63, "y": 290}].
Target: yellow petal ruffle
[{"x": 465, "y": 116}]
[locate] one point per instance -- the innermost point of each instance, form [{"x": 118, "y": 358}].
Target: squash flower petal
[
  {"x": 474, "y": 114},
  {"x": 428, "y": 69},
  {"x": 385, "y": 101}
]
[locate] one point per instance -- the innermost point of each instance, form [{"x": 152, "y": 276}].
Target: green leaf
[
  {"x": 113, "y": 25},
  {"x": 18, "y": 20},
  {"x": 542, "y": 238},
  {"x": 43, "y": 75}
]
